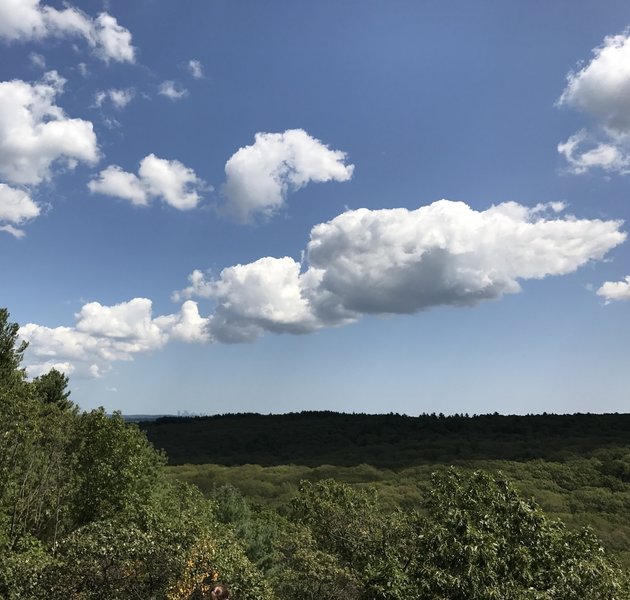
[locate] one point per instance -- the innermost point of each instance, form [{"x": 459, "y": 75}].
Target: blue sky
[{"x": 236, "y": 206}]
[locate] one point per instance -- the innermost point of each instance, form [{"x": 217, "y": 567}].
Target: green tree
[
  {"x": 10, "y": 351},
  {"x": 52, "y": 388},
  {"x": 115, "y": 467},
  {"x": 480, "y": 540},
  {"x": 86, "y": 512},
  {"x": 473, "y": 538}
]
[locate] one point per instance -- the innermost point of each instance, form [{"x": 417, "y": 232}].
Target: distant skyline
[{"x": 361, "y": 206}]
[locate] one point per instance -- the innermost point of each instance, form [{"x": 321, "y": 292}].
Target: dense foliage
[
  {"x": 471, "y": 538},
  {"x": 87, "y": 512},
  {"x": 579, "y": 491}
]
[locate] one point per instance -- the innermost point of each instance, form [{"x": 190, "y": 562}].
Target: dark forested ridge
[{"x": 390, "y": 441}]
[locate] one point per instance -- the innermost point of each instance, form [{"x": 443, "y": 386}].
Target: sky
[{"x": 363, "y": 206}]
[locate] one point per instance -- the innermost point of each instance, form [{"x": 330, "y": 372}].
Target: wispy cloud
[
  {"x": 195, "y": 69},
  {"x": 172, "y": 90}
]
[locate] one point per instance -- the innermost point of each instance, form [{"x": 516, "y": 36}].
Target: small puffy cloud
[
  {"x": 195, "y": 69},
  {"x": 113, "y": 181},
  {"x": 16, "y": 206},
  {"x": 173, "y": 91},
  {"x": 582, "y": 155},
  {"x": 118, "y": 97},
  {"x": 112, "y": 41},
  {"x": 169, "y": 180},
  {"x": 259, "y": 177},
  {"x": 25, "y": 20},
  {"x": 555, "y": 207},
  {"x": 615, "y": 290},
  {"x": 601, "y": 89},
  {"x": 104, "y": 334},
  {"x": 398, "y": 261},
  {"x": 35, "y": 132}
]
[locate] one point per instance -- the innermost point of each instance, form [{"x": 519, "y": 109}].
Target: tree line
[{"x": 388, "y": 441}]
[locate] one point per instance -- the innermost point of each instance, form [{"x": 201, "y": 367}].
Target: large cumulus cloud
[
  {"x": 363, "y": 262},
  {"x": 399, "y": 261}
]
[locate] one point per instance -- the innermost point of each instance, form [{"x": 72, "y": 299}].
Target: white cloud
[
  {"x": 615, "y": 290},
  {"x": 41, "y": 368},
  {"x": 556, "y": 207},
  {"x": 399, "y": 261},
  {"x": 112, "y": 41},
  {"x": 170, "y": 180},
  {"x": 35, "y": 132},
  {"x": 118, "y": 97},
  {"x": 610, "y": 157},
  {"x": 113, "y": 181},
  {"x": 195, "y": 68},
  {"x": 37, "y": 60},
  {"x": 172, "y": 90},
  {"x": 22, "y": 20},
  {"x": 104, "y": 334},
  {"x": 187, "y": 326},
  {"x": 199, "y": 287},
  {"x": 259, "y": 177},
  {"x": 25, "y": 20},
  {"x": 130, "y": 322},
  {"x": 14, "y": 231},
  {"x": 601, "y": 89},
  {"x": 16, "y": 206},
  {"x": 382, "y": 262},
  {"x": 266, "y": 295}
]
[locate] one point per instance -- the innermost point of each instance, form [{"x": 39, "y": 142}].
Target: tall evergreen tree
[{"x": 10, "y": 351}]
